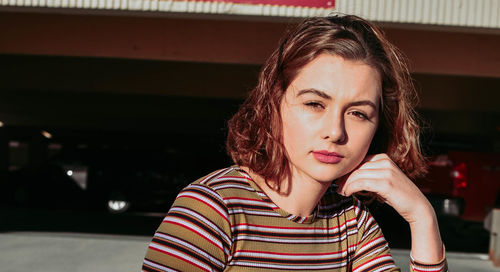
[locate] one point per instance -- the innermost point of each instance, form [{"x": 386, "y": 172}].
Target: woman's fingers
[
  {"x": 359, "y": 185},
  {"x": 381, "y": 176},
  {"x": 381, "y": 161},
  {"x": 369, "y": 179},
  {"x": 376, "y": 157}
]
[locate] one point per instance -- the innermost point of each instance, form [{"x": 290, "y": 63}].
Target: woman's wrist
[
  {"x": 424, "y": 214},
  {"x": 427, "y": 246}
]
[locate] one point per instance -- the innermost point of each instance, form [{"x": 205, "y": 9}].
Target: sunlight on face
[{"x": 330, "y": 113}]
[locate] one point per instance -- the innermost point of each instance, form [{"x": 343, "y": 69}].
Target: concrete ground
[{"x": 55, "y": 252}]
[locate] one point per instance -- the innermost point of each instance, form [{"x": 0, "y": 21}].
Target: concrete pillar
[{"x": 492, "y": 223}]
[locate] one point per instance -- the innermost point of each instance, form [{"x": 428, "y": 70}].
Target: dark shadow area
[
  {"x": 104, "y": 182},
  {"x": 458, "y": 235},
  {"x": 16, "y": 219}
]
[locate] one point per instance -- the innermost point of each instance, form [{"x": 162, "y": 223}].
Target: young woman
[{"x": 331, "y": 118}]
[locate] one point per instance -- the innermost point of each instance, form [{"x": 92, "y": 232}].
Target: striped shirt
[{"x": 224, "y": 222}]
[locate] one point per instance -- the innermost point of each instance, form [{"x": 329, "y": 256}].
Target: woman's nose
[{"x": 334, "y": 128}]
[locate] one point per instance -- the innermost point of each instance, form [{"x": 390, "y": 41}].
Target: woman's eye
[
  {"x": 360, "y": 115},
  {"x": 315, "y": 105}
]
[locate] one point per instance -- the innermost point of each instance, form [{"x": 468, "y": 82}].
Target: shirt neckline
[{"x": 264, "y": 197}]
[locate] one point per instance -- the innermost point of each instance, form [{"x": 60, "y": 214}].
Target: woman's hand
[{"x": 380, "y": 175}]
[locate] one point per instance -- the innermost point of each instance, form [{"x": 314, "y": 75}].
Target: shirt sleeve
[
  {"x": 372, "y": 251},
  {"x": 441, "y": 266},
  {"x": 194, "y": 235}
]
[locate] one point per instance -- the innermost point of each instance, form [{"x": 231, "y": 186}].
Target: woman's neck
[{"x": 300, "y": 196}]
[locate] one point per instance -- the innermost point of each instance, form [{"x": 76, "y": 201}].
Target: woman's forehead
[{"x": 333, "y": 75}]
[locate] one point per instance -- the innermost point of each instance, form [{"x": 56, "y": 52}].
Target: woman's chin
[{"x": 327, "y": 178}]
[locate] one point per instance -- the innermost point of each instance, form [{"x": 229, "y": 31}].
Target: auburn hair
[{"x": 255, "y": 137}]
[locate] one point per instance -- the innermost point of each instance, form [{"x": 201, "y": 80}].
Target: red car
[{"x": 463, "y": 184}]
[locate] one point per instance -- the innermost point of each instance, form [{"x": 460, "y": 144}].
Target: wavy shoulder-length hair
[{"x": 255, "y": 137}]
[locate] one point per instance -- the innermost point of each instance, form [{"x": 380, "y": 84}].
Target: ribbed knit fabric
[{"x": 224, "y": 222}]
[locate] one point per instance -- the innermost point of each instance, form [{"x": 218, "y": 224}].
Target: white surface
[
  {"x": 461, "y": 13},
  {"x": 53, "y": 252}
]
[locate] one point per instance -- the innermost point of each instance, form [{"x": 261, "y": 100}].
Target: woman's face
[{"x": 330, "y": 115}]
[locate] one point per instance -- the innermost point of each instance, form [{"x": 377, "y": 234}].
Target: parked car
[
  {"x": 130, "y": 180},
  {"x": 115, "y": 180},
  {"x": 464, "y": 184},
  {"x": 46, "y": 186}
]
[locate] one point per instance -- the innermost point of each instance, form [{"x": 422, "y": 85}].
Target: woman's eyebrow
[
  {"x": 363, "y": 103},
  {"x": 316, "y": 92},
  {"x": 326, "y": 96}
]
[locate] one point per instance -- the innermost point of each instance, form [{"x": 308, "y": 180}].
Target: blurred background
[{"x": 109, "y": 108}]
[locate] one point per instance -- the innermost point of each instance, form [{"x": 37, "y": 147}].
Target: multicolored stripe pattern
[
  {"x": 224, "y": 222},
  {"x": 422, "y": 267}
]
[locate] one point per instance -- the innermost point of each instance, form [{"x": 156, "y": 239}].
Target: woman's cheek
[{"x": 361, "y": 141}]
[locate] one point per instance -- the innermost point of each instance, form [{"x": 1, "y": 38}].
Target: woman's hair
[{"x": 255, "y": 137}]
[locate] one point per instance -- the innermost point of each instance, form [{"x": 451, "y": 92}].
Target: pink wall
[{"x": 223, "y": 41}]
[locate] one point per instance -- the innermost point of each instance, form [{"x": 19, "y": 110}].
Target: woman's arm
[{"x": 380, "y": 175}]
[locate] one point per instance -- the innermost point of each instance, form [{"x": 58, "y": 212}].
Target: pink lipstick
[{"x": 327, "y": 157}]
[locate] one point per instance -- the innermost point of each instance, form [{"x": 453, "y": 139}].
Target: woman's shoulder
[{"x": 227, "y": 183}]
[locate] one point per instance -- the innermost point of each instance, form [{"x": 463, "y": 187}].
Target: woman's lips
[{"x": 327, "y": 157}]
